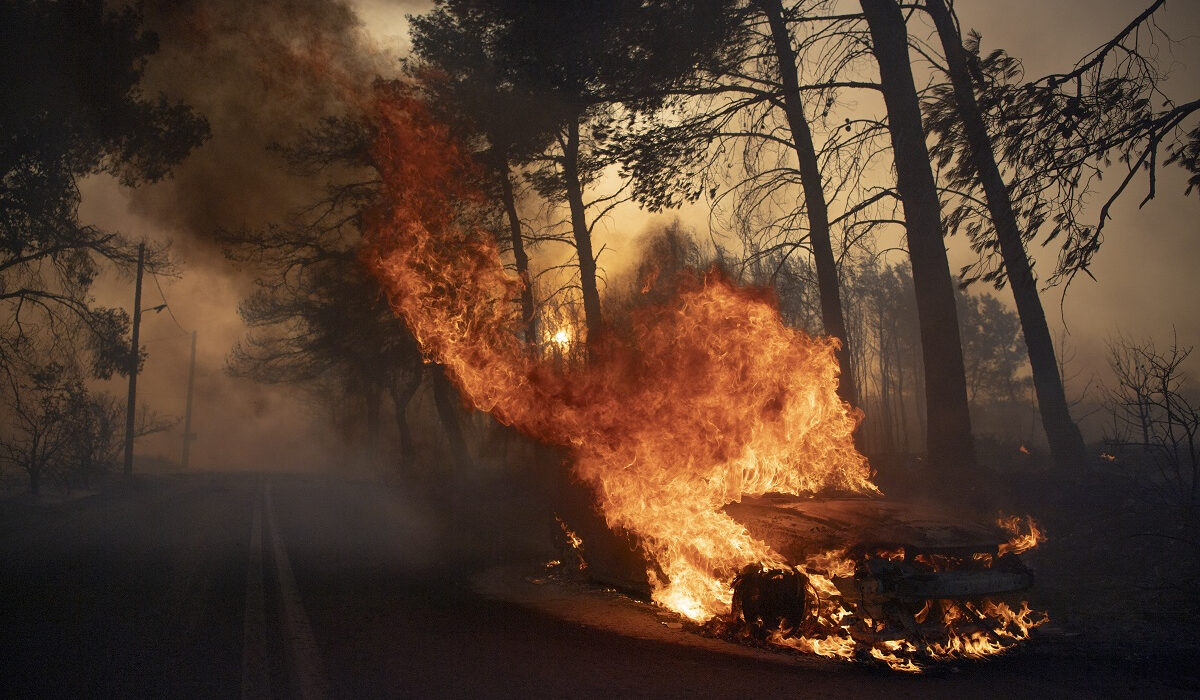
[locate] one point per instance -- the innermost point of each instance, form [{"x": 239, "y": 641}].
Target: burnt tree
[
  {"x": 318, "y": 317},
  {"x": 814, "y": 195},
  {"x": 948, "y": 438},
  {"x": 582, "y": 60},
  {"x": 457, "y": 68},
  {"x": 752, "y": 96},
  {"x": 1065, "y": 440}
]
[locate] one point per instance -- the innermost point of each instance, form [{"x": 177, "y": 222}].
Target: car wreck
[
  {"x": 860, "y": 577},
  {"x": 901, "y": 573}
]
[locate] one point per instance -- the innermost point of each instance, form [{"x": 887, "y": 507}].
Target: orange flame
[
  {"x": 711, "y": 398},
  {"x": 1025, "y": 534},
  {"x": 574, "y": 541}
]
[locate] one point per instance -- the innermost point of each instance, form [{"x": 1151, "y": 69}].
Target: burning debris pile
[{"x": 709, "y": 400}]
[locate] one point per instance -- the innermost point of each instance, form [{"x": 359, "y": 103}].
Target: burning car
[
  {"x": 859, "y": 577},
  {"x": 888, "y": 575}
]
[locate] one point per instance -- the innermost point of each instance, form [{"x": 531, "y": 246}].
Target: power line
[
  {"x": 164, "y": 339},
  {"x": 168, "y": 305}
]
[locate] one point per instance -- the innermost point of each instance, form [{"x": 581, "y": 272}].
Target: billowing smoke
[{"x": 261, "y": 73}]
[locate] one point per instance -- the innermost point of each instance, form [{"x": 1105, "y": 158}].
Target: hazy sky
[
  {"x": 1146, "y": 278},
  {"x": 248, "y": 67}
]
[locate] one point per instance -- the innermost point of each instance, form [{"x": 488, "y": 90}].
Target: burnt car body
[
  {"x": 902, "y": 571},
  {"x": 878, "y": 569}
]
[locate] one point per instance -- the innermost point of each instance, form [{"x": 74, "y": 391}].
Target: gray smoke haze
[{"x": 261, "y": 73}]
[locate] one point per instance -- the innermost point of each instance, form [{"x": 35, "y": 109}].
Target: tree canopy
[{"x": 73, "y": 107}]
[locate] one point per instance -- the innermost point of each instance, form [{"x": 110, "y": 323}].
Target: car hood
[{"x": 798, "y": 527}]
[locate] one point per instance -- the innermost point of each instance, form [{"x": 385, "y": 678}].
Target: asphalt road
[{"x": 260, "y": 586}]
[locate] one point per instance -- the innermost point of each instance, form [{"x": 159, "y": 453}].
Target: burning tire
[{"x": 769, "y": 600}]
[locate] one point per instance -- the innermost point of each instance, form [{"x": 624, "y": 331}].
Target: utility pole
[
  {"x": 187, "y": 413},
  {"x": 133, "y": 362}
]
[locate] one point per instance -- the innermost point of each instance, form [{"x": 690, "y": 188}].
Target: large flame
[
  {"x": 711, "y": 397},
  {"x": 708, "y": 398}
]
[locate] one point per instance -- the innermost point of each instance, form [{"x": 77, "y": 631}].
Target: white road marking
[
  {"x": 255, "y": 675},
  {"x": 299, "y": 641}
]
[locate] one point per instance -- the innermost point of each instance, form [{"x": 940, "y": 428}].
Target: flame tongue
[{"x": 710, "y": 397}]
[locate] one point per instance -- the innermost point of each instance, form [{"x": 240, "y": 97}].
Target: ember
[{"x": 573, "y": 544}]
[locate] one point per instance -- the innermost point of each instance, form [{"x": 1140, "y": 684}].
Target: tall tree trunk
[
  {"x": 919, "y": 396},
  {"x": 887, "y": 441},
  {"x": 948, "y": 438},
  {"x": 583, "y": 237},
  {"x": 402, "y": 393},
  {"x": 518, "y": 246},
  {"x": 814, "y": 197},
  {"x": 1066, "y": 442},
  {"x": 445, "y": 398},
  {"x": 373, "y": 399},
  {"x": 35, "y": 464},
  {"x": 901, "y": 401}
]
